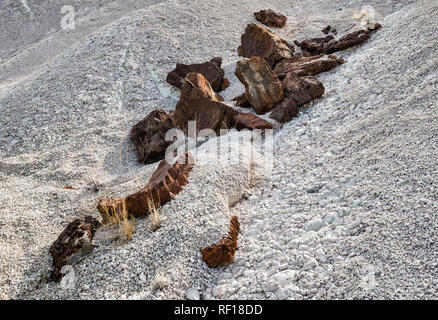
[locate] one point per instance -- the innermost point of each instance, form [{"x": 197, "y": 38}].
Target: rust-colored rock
[
  {"x": 271, "y": 18},
  {"x": 222, "y": 253},
  {"x": 284, "y": 111},
  {"x": 305, "y": 66},
  {"x": 263, "y": 88},
  {"x": 259, "y": 41},
  {"x": 349, "y": 40},
  {"x": 317, "y": 46},
  {"x": 149, "y": 136},
  {"x": 198, "y": 102},
  {"x": 302, "y": 89},
  {"x": 73, "y": 243},
  {"x": 329, "y": 44},
  {"x": 166, "y": 182},
  {"x": 250, "y": 121},
  {"x": 211, "y": 70},
  {"x": 242, "y": 101}
]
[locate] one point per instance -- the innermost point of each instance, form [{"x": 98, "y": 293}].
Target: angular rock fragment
[
  {"x": 199, "y": 103},
  {"x": 302, "y": 89},
  {"x": 222, "y": 253},
  {"x": 263, "y": 88},
  {"x": 259, "y": 41},
  {"x": 304, "y": 66},
  {"x": 73, "y": 243},
  {"x": 149, "y": 136},
  {"x": 242, "y": 101},
  {"x": 271, "y": 18},
  {"x": 211, "y": 70},
  {"x": 317, "y": 46},
  {"x": 349, "y": 40},
  {"x": 284, "y": 111},
  {"x": 166, "y": 182},
  {"x": 329, "y": 44},
  {"x": 250, "y": 121}
]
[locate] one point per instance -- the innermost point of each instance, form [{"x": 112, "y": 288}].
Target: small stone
[
  {"x": 192, "y": 294},
  {"x": 271, "y": 18}
]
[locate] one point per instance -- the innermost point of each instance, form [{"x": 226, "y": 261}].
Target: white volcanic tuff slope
[
  {"x": 68, "y": 124},
  {"x": 352, "y": 211}
]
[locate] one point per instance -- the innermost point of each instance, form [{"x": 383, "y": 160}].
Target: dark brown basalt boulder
[
  {"x": 259, "y": 41},
  {"x": 302, "y": 89},
  {"x": 250, "y": 121},
  {"x": 165, "y": 183},
  {"x": 211, "y": 70},
  {"x": 199, "y": 103},
  {"x": 305, "y": 66},
  {"x": 284, "y": 111},
  {"x": 222, "y": 253},
  {"x": 73, "y": 243},
  {"x": 271, "y": 18},
  {"x": 263, "y": 88},
  {"x": 149, "y": 136}
]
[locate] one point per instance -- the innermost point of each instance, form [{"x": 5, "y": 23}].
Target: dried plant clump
[
  {"x": 154, "y": 215},
  {"x": 118, "y": 216}
]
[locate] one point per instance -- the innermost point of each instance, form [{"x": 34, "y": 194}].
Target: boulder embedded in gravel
[
  {"x": 250, "y": 121},
  {"x": 149, "y": 136},
  {"x": 73, "y": 243},
  {"x": 259, "y": 41},
  {"x": 222, "y": 253},
  {"x": 166, "y": 182},
  {"x": 302, "y": 89},
  {"x": 284, "y": 111},
  {"x": 305, "y": 66},
  {"x": 198, "y": 102},
  {"x": 211, "y": 70},
  {"x": 263, "y": 88},
  {"x": 271, "y": 18}
]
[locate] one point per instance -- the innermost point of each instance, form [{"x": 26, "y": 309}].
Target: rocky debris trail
[{"x": 271, "y": 18}]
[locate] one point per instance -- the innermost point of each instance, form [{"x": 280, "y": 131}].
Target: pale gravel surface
[{"x": 349, "y": 210}]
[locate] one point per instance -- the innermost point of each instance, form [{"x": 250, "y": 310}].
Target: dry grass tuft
[
  {"x": 154, "y": 215},
  {"x": 119, "y": 216}
]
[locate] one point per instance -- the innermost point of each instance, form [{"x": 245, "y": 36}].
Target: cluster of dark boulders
[{"x": 276, "y": 79}]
